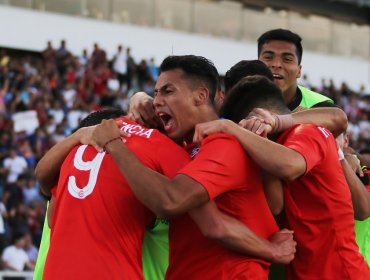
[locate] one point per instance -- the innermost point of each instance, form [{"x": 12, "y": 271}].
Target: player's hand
[
  {"x": 256, "y": 125},
  {"x": 202, "y": 130},
  {"x": 142, "y": 111},
  {"x": 85, "y": 135},
  {"x": 355, "y": 163},
  {"x": 263, "y": 114},
  {"x": 104, "y": 132},
  {"x": 259, "y": 121},
  {"x": 284, "y": 246}
]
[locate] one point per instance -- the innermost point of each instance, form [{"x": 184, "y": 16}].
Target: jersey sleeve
[
  {"x": 310, "y": 141},
  {"x": 171, "y": 158},
  {"x": 219, "y": 166}
]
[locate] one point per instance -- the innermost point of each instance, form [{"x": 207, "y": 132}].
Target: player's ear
[{"x": 201, "y": 96}]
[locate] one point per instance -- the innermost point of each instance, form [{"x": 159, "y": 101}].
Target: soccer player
[
  {"x": 317, "y": 200},
  {"x": 98, "y": 225},
  {"x": 360, "y": 191},
  {"x": 281, "y": 50},
  {"x": 92, "y": 119},
  {"x": 152, "y": 246}
]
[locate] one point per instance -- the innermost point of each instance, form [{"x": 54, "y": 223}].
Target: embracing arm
[
  {"x": 236, "y": 236},
  {"x": 47, "y": 169},
  {"x": 166, "y": 197},
  {"x": 360, "y": 195},
  {"x": 285, "y": 163},
  {"x": 331, "y": 118},
  {"x": 265, "y": 122}
]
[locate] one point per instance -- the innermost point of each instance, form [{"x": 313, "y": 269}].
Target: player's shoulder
[
  {"x": 221, "y": 139},
  {"x": 311, "y": 130}
]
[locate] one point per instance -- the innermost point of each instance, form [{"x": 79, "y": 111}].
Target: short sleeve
[
  {"x": 310, "y": 141},
  {"x": 171, "y": 158},
  {"x": 219, "y": 166}
]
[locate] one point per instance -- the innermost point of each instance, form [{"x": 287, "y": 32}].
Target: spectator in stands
[
  {"x": 14, "y": 165},
  {"x": 14, "y": 257},
  {"x": 49, "y": 54},
  {"x": 98, "y": 56},
  {"x": 62, "y": 58},
  {"x": 30, "y": 249},
  {"x": 131, "y": 69},
  {"x": 153, "y": 69},
  {"x": 3, "y": 226},
  {"x": 120, "y": 65}
]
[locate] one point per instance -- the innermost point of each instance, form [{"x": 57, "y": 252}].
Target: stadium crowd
[{"x": 44, "y": 96}]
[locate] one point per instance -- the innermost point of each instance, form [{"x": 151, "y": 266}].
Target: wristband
[
  {"x": 340, "y": 154},
  {"x": 110, "y": 141}
]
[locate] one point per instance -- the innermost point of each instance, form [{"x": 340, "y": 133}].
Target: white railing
[{"x": 12, "y": 274}]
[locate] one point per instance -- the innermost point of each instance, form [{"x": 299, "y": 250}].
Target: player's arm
[
  {"x": 360, "y": 195},
  {"x": 47, "y": 169},
  {"x": 278, "y": 160},
  {"x": 331, "y": 118},
  {"x": 238, "y": 237},
  {"x": 166, "y": 197},
  {"x": 273, "y": 189}
]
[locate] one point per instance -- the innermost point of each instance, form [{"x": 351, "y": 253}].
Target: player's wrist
[
  {"x": 282, "y": 122},
  {"x": 109, "y": 143}
]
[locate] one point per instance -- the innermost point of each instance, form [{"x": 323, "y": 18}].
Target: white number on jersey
[{"x": 92, "y": 166}]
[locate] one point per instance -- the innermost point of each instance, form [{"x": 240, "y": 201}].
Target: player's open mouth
[
  {"x": 278, "y": 76},
  {"x": 167, "y": 120}
]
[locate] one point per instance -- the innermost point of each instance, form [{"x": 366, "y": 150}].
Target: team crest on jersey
[
  {"x": 93, "y": 166},
  {"x": 194, "y": 152}
]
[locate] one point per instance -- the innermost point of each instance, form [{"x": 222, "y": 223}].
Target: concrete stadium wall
[{"x": 28, "y": 29}]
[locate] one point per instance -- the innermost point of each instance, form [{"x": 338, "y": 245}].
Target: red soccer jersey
[
  {"x": 98, "y": 224},
  {"x": 319, "y": 209},
  {"x": 234, "y": 182}
]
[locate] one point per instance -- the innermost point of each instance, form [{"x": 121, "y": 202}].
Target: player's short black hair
[
  {"x": 245, "y": 68},
  {"x": 197, "y": 68},
  {"x": 281, "y": 35},
  {"x": 95, "y": 118},
  {"x": 252, "y": 92}
]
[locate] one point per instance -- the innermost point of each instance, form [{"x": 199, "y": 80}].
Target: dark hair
[
  {"x": 95, "y": 118},
  {"x": 198, "y": 68},
  {"x": 18, "y": 235},
  {"x": 249, "y": 93},
  {"x": 245, "y": 68},
  {"x": 281, "y": 35}
]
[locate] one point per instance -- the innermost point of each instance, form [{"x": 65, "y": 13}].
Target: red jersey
[
  {"x": 234, "y": 182},
  {"x": 319, "y": 209},
  {"x": 98, "y": 225}
]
